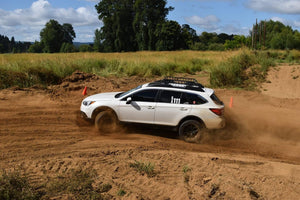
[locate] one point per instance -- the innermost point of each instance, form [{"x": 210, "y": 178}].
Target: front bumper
[{"x": 83, "y": 115}]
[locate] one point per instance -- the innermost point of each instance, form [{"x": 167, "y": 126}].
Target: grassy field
[{"x": 25, "y": 70}]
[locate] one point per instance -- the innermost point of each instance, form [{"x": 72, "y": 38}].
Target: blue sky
[{"x": 24, "y": 19}]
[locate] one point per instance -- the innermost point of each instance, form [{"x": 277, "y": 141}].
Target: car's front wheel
[
  {"x": 191, "y": 131},
  {"x": 106, "y": 122}
]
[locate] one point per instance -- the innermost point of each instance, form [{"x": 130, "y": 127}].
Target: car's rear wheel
[
  {"x": 191, "y": 131},
  {"x": 106, "y": 122}
]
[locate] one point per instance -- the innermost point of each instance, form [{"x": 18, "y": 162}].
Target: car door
[
  {"x": 170, "y": 108},
  {"x": 141, "y": 108}
]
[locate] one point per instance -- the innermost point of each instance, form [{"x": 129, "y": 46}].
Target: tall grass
[
  {"x": 243, "y": 70},
  {"x": 25, "y": 70}
]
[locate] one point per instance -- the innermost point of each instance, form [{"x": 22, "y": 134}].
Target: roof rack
[{"x": 178, "y": 82}]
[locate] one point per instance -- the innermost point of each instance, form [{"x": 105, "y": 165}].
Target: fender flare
[{"x": 101, "y": 109}]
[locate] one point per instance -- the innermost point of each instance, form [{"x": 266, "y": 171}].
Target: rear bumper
[{"x": 216, "y": 123}]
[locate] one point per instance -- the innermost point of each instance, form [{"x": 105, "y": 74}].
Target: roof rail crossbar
[{"x": 178, "y": 82}]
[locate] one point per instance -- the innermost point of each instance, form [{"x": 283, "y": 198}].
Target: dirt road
[{"x": 255, "y": 157}]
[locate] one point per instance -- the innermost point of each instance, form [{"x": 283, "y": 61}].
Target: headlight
[{"x": 87, "y": 103}]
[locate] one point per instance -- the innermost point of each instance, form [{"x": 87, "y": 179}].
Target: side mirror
[{"x": 128, "y": 100}]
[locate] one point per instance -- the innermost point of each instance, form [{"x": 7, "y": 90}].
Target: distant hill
[{"x": 77, "y": 44}]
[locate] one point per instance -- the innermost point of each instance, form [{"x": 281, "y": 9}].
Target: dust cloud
[{"x": 261, "y": 124}]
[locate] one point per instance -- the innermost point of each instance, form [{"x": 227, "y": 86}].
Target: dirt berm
[{"x": 255, "y": 157}]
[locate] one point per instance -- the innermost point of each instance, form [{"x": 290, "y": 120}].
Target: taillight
[{"x": 217, "y": 111}]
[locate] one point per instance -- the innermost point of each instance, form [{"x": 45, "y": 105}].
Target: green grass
[
  {"x": 75, "y": 184},
  {"x": 79, "y": 184},
  {"x": 25, "y": 70},
  {"x": 144, "y": 168},
  {"x": 13, "y": 186},
  {"x": 244, "y": 70},
  {"x": 227, "y": 67},
  {"x": 121, "y": 192},
  {"x": 186, "y": 169}
]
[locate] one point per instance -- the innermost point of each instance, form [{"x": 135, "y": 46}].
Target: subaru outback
[{"x": 179, "y": 103}]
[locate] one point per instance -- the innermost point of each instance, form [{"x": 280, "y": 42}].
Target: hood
[{"x": 102, "y": 96}]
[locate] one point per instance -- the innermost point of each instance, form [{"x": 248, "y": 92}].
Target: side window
[
  {"x": 145, "y": 95},
  {"x": 189, "y": 98},
  {"x": 168, "y": 96}
]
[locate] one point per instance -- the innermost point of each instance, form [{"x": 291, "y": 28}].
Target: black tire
[
  {"x": 106, "y": 122},
  {"x": 191, "y": 131}
]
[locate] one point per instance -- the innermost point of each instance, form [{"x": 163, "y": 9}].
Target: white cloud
[
  {"x": 208, "y": 23},
  {"x": 236, "y": 30},
  {"x": 41, "y": 11},
  {"x": 297, "y": 24},
  {"x": 276, "y": 6},
  {"x": 279, "y": 19},
  {"x": 292, "y": 23}
]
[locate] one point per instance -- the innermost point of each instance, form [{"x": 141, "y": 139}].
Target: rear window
[
  {"x": 189, "y": 98},
  {"x": 216, "y": 99}
]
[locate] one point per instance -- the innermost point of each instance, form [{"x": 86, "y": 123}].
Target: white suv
[{"x": 181, "y": 103}]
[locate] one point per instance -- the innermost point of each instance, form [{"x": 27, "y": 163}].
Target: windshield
[{"x": 122, "y": 94}]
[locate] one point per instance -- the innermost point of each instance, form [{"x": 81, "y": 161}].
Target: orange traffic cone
[
  {"x": 231, "y": 102},
  {"x": 84, "y": 91}
]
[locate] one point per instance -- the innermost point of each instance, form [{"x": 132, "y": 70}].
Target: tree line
[
  {"x": 139, "y": 25},
  {"x": 11, "y": 46}
]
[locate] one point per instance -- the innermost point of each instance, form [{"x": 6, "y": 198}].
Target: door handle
[
  {"x": 183, "y": 109},
  {"x": 151, "y": 107}
]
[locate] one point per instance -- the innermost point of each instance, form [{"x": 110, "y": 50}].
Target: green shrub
[
  {"x": 147, "y": 168},
  {"x": 78, "y": 183},
  {"x": 242, "y": 70},
  {"x": 121, "y": 192},
  {"x": 186, "y": 169},
  {"x": 39, "y": 75},
  {"x": 13, "y": 186},
  {"x": 11, "y": 78}
]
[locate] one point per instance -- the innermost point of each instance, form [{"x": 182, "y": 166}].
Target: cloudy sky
[{"x": 24, "y": 19}]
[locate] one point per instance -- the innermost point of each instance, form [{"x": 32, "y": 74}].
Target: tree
[
  {"x": 148, "y": 14},
  {"x": 297, "y": 40},
  {"x": 4, "y": 41},
  {"x": 69, "y": 33},
  {"x": 237, "y": 42},
  {"x": 54, "y": 35},
  {"x": 130, "y": 25},
  {"x": 85, "y": 48},
  {"x": 168, "y": 36},
  {"x": 36, "y": 47},
  {"x": 117, "y": 32},
  {"x": 98, "y": 46},
  {"x": 12, "y": 44},
  {"x": 67, "y": 48},
  {"x": 189, "y": 36},
  {"x": 223, "y": 37},
  {"x": 274, "y": 35}
]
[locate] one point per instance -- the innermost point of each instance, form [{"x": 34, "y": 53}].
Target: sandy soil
[
  {"x": 255, "y": 157},
  {"x": 283, "y": 82}
]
